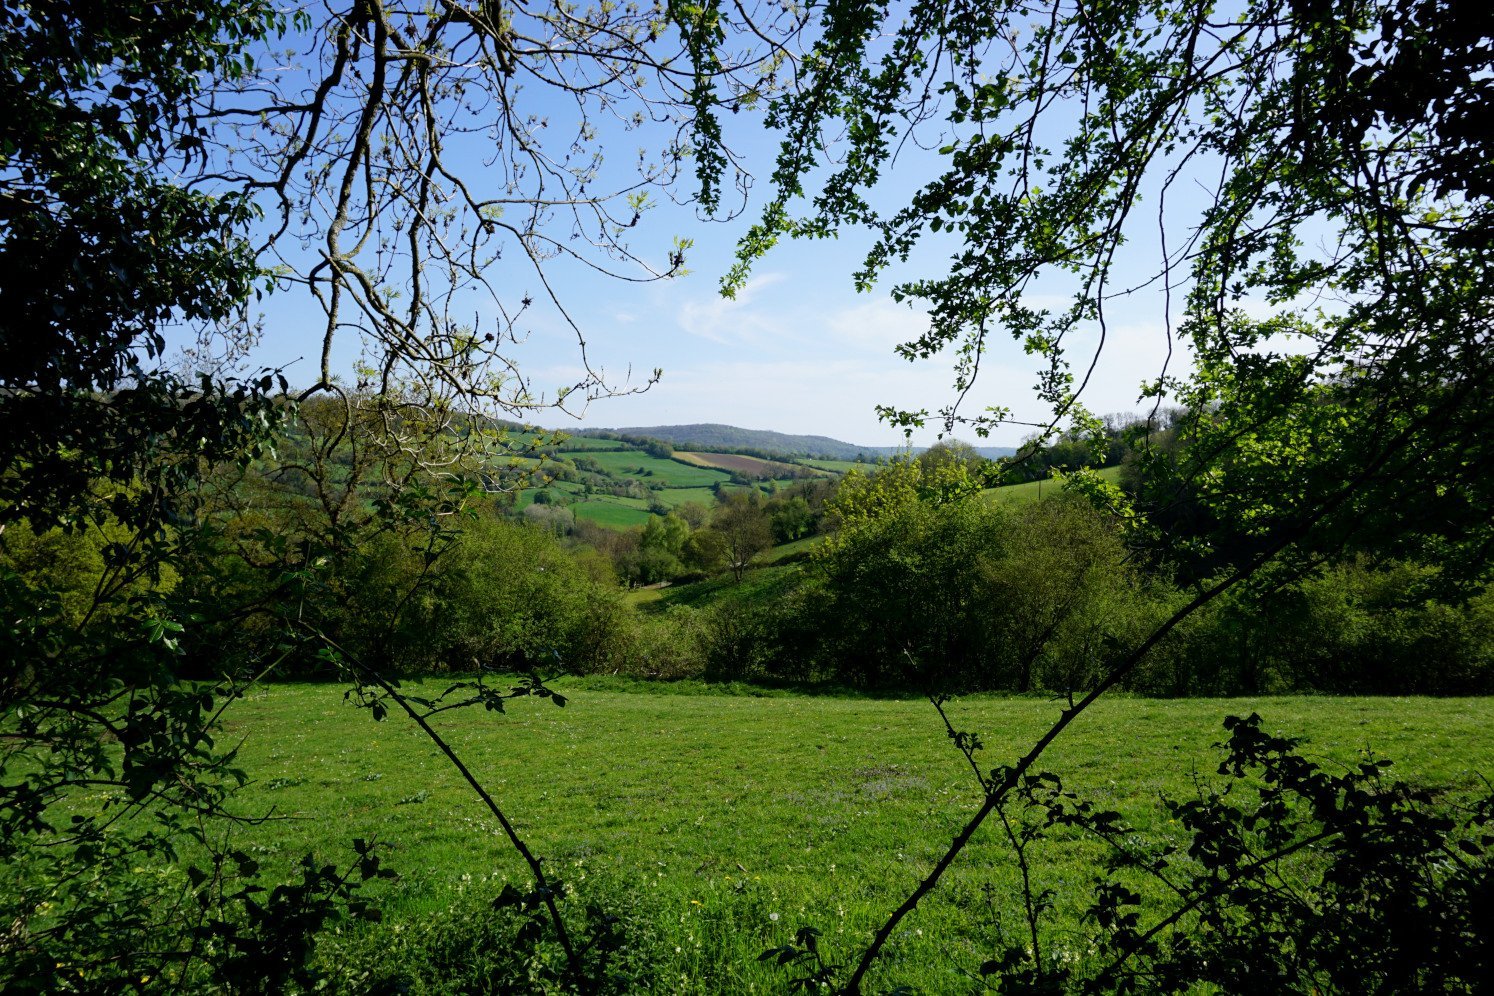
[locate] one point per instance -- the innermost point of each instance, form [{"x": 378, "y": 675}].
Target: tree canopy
[{"x": 1307, "y": 181}]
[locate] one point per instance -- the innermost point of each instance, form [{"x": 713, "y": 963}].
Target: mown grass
[{"x": 718, "y": 823}]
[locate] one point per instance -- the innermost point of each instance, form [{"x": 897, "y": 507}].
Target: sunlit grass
[
  {"x": 619, "y": 513},
  {"x": 722, "y": 822},
  {"x": 1017, "y": 494},
  {"x": 672, "y": 473}
]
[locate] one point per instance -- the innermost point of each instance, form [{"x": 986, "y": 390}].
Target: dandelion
[{"x": 773, "y": 917}]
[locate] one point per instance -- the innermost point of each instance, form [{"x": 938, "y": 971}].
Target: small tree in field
[
  {"x": 705, "y": 551},
  {"x": 744, "y": 526}
]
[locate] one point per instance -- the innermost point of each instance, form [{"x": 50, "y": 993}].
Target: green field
[
  {"x": 1017, "y": 494},
  {"x": 675, "y": 497},
  {"x": 758, "y": 586},
  {"x": 837, "y": 466},
  {"x": 525, "y": 497},
  {"x": 672, "y": 473},
  {"x": 718, "y": 823},
  {"x": 619, "y": 513},
  {"x": 585, "y": 444},
  {"x": 787, "y": 550}
]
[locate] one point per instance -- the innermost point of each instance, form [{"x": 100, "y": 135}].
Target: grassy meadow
[
  {"x": 838, "y": 466},
  {"x": 717, "y": 823},
  {"x": 1017, "y": 494},
  {"x": 673, "y": 473}
]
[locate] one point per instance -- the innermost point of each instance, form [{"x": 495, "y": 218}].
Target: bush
[
  {"x": 504, "y": 595},
  {"x": 667, "y": 647},
  {"x": 480, "y": 943},
  {"x": 1356, "y": 627},
  {"x": 966, "y": 594},
  {"x": 1389, "y": 900}
]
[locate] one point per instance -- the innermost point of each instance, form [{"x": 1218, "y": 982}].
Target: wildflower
[{"x": 773, "y": 917}]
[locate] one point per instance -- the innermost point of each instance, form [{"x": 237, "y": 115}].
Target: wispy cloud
[
  {"x": 732, "y": 320},
  {"x": 878, "y": 324}
]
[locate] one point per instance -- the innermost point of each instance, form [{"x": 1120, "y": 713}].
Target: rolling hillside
[
  {"x": 713, "y": 436},
  {"x": 619, "y": 480}
]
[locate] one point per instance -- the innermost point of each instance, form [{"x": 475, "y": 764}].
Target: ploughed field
[{"x": 715, "y": 824}]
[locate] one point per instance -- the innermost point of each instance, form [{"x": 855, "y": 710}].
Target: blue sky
[{"x": 797, "y": 350}]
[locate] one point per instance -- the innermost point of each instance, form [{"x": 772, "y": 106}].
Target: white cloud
[
  {"x": 731, "y": 320},
  {"x": 878, "y": 324}
]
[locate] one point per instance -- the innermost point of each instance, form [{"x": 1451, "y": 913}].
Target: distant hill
[{"x": 730, "y": 437}]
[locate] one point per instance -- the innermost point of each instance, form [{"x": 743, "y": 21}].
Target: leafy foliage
[
  {"x": 139, "y": 143},
  {"x": 1333, "y": 281},
  {"x": 1298, "y": 880}
]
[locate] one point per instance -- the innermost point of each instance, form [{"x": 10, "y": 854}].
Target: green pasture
[
  {"x": 619, "y": 513},
  {"x": 760, "y": 585},
  {"x": 718, "y": 823},
  {"x": 526, "y": 496},
  {"x": 1017, "y": 494},
  {"x": 790, "y": 550},
  {"x": 586, "y": 444},
  {"x": 837, "y": 466},
  {"x": 628, "y": 463},
  {"x": 675, "y": 497}
]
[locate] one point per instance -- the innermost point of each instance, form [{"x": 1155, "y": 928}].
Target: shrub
[{"x": 1356, "y": 627}]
